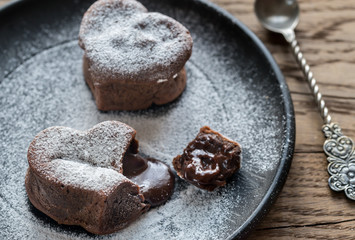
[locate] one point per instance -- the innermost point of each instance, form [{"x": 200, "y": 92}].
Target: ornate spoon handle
[
  {"x": 291, "y": 39},
  {"x": 339, "y": 148}
]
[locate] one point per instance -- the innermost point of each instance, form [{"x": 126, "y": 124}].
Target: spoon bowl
[{"x": 277, "y": 15}]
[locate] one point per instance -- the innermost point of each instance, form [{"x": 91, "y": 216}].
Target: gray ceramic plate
[{"x": 234, "y": 86}]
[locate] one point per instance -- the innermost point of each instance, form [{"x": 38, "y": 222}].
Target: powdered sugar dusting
[
  {"x": 121, "y": 39},
  {"x": 85, "y": 176},
  {"x": 163, "y": 132}
]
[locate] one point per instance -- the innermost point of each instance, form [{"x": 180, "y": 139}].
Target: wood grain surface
[{"x": 306, "y": 208}]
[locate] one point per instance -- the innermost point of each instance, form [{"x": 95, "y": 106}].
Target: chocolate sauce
[
  {"x": 209, "y": 160},
  {"x": 155, "y": 179}
]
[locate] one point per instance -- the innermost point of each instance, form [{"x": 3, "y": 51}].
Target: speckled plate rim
[{"x": 287, "y": 149}]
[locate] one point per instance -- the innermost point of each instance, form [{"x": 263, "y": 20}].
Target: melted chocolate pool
[{"x": 155, "y": 179}]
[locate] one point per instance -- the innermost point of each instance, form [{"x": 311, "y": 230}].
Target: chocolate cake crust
[
  {"x": 95, "y": 211},
  {"x": 113, "y": 95}
]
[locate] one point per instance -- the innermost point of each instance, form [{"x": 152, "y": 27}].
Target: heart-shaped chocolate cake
[
  {"x": 76, "y": 177},
  {"x": 133, "y": 58}
]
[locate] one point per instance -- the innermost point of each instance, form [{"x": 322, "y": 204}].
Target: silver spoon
[{"x": 282, "y": 16}]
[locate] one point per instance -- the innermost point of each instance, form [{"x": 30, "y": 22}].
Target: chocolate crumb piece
[{"x": 209, "y": 160}]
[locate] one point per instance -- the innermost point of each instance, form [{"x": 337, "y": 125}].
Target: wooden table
[{"x": 306, "y": 208}]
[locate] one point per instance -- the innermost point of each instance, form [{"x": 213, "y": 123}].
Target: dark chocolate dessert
[
  {"x": 132, "y": 58},
  {"x": 209, "y": 160},
  {"x": 76, "y": 178}
]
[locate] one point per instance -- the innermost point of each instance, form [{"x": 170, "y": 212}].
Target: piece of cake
[
  {"x": 209, "y": 160},
  {"x": 75, "y": 177},
  {"x": 132, "y": 58}
]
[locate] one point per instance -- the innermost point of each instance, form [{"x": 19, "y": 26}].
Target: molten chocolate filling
[
  {"x": 209, "y": 160},
  {"x": 155, "y": 179}
]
